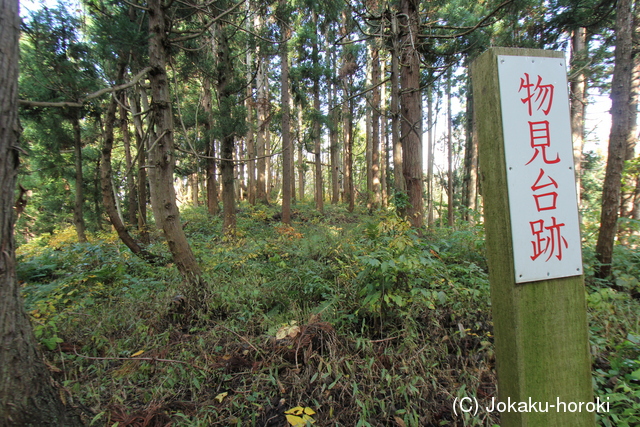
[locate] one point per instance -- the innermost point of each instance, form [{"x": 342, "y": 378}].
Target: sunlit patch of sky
[{"x": 27, "y": 7}]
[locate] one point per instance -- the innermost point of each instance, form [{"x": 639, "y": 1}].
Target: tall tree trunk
[
  {"x": 262, "y": 130},
  {"x": 384, "y": 142},
  {"x": 470, "y": 159},
  {"x": 430, "y": 148},
  {"x": 287, "y": 149},
  {"x": 317, "y": 130},
  {"x": 334, "y": 147},
  {"x": 132, "y": 194},
  {"x": 579, "y": 57},
  {"x": 301, "y": 159},
  {"x": 163, "y": 196},
  {"x": 411, "y": 111},
  {"x": 78, "y": 211},
  {"x": 349, "y": 191},
  {"x": 368, "y": 132},
  {"x": 227, "y": 146},
  {"x": 627, "y": 203},
  {"x": 211, "y": 183},
  {"x": 399, "y": 183},
  {"x": 348, "y": 68},
  {"x": 618, "y": 138},
  {"x": 251, "y": 146},
  {"x": 375, "y": 126},
  {"x": 27, "y": 396},
  {"x": 142, "y": 169},
  {"x": 450, "y": 183}
]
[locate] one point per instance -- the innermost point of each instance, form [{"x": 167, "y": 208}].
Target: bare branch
[
  {"x": 469, "y": 30},
  {"x": 80, "y": 103},
  {"x": 206, "y": 27}
]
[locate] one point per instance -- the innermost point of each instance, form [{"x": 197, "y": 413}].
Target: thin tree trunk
[
  {"x": 579, "y": 56},
  {"x": 470, "y": 159},
  {"x": 368, "y": 132},
  {"x": 618, "y": 138},
  {"x": 348, "y": 150},
  {"x": 287, "y": 149},
  {"x": 301, "y": 164},
  {"x": 132, "y": 196},
  {"x": 430, "y": 149},
  {"x": 348, "y": 68},
  {"x": 78, "y": 211},
  {"x": 163, "y": 196},
  {"x": 211, "y": 183},
  {"x": 27, "y": 395},
  {"x": 384, "y": 141},
  {"x": 317, "y": 130},
  {"x": 450, "y": 186},
  {"x": 249, "y": 104},
  {"x": 375, "y": 126},
  {"x": 262, "y": 131},
  {"x": 334, "y": 148},
  {"x": 142, "y": 171}
]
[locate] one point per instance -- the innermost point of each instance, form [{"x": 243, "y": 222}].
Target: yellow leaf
[
  {"x": 309, "y": 411},
  {"x": 295, "y": 421},
  {"x": 137, "y": 353},
  {"x": 306, "y": 418},
  {"x": 298, "y": 410},
  {"x": 221, "y": 396}
]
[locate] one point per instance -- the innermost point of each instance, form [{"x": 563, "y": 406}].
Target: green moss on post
[{"x": 541, "y": 331}]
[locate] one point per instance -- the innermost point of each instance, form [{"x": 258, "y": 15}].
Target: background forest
[{"x": 227, "y": 210}]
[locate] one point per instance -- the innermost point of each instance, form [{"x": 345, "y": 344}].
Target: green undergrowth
[{"x": 351, "y": 316}]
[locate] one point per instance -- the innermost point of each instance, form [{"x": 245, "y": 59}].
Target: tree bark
[
  {"x": 578, "y": 85},
  {"x": 631, "y": 173},
  {"x": 27, "y": 395},
  {"x": 251, "y": 146},
  {"x": 450, "y": 186},
  {"x": 163, "y": 196},
  {"x": 430, "y": 148},
  {"x": 227, "y": 143},
  {"x": 398, "y": 174},
  {"x": 78, "y": 211},
  {"x": 262, "y": 129},
  {"x": 132, "y": 196},
  {"x": 142, "y": 169},
  {"x": 211, "y": 182},
  {"x": 411, "y": 111},
  {"x": 375, "y": 126},
  {"x": 471, "y": 159},
  {"x": 334, "y": 115},
  {"x": 287, "y": 151},
  {"x": 317, "y": 129},
  {"x": 618, "y": 137},
  {"x": 301, "y": 159}
]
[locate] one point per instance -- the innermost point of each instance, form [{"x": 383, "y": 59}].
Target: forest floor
[{"x": 340, "y": 319}]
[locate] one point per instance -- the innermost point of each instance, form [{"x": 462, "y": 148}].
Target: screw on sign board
[{"x": 540, "y": 175}]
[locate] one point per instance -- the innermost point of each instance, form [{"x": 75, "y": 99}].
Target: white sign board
[{"x": 540, "y": 172}]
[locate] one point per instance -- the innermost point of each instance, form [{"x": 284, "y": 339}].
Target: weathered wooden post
[{"x": 533, "y": 239}]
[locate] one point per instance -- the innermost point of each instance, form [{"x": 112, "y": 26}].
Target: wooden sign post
[{"x": 533, "y": 239}]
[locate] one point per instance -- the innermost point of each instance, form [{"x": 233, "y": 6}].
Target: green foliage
[{"x": 406, "y": 318}]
